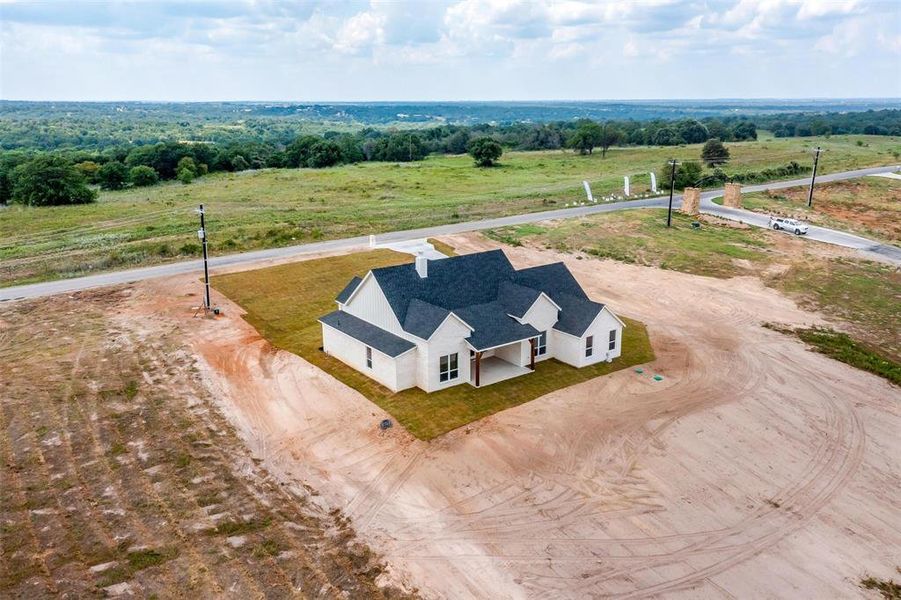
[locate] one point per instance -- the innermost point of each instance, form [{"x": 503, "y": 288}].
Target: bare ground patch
[
  {"x": 120, "y": 476},
  {"x": 749, "y": 456}
]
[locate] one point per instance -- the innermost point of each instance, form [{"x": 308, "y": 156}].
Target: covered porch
[{"x": 500, "y": 364}]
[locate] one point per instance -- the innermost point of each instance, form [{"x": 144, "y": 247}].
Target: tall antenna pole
[
  {"x": 206, "y": 270},
  {"x": 813, "y": 177},
  {"x": 672, "y": 187}
]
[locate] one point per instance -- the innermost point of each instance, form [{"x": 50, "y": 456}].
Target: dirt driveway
[{"x": 754, "y": 469}]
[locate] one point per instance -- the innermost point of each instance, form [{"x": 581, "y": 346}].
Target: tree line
[{"x": 120, "y": 166}]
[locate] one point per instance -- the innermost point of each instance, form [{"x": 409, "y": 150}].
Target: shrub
[
  {"x": 142, "y": 175},
  {"x": 714, "y": 153},
  {"x": 324, "y": 154},
  {"x": 485, "y": 151},
  {"x": 112, "y": 176}
]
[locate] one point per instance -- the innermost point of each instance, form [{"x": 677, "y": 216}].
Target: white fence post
[{"x": 588, "y": 191}]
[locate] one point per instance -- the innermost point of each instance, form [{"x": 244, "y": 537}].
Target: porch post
[
  {"x": 478, "y": 367},
  {"x": 532, "y": 353}
]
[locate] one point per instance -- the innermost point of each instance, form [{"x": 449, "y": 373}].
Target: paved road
[{"x": 118, "y": 277}]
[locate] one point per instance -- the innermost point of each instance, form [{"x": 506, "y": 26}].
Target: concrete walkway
[{"x": 873, "y": 249}]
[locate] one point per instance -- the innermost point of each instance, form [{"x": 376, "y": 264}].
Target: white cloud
[{"x": 476, "y": 44}]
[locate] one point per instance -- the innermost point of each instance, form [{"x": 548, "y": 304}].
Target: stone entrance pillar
[
  {"x": 691, "y": 200},
  {"x": 732, "y": 197}
]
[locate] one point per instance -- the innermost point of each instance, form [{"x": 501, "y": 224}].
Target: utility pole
[
  {"x": 207, "y": 305},
  {"x": 813, "y": 177},
  {"x": 672, "y": 187}
]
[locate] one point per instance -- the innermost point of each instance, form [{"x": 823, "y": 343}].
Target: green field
[
  {"x": 261, "y": 209},
  {"x": 286, "y": 314},
  {"x": 860, "y": 295}
]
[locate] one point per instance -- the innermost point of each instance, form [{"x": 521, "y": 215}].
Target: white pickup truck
[{"x": 789, "y": 225}]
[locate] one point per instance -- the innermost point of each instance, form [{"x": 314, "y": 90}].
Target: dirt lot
[
  {"x": 868, "y": 206},
  {"x": 117, "y": 477},
  {"x": 754, "y": 469}
]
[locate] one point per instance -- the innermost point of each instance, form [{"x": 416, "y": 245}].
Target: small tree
[
  {"x": 298, "y": 151},
  {"x": 325, "y": 153},
  {"x": 142, "y": 176},
  {"x": 714, "y": 153},
  {"x": 687, "y": 175},
  {"x": 49, "y": 181},
  {"x": 609, "y": 136},
  {"x": 239, "y": 163},
  {"x": 485, "y": 151},
  {"x": 744, "y": 130},
  {"x": 186, "y": 170},
  {"x": 586, "y": 137},
  {"x": 89, "y": 169},
  {"x": 112, "y": 176}
]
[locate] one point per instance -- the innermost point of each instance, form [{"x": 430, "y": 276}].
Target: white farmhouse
[{"x": 466, "y": 319}]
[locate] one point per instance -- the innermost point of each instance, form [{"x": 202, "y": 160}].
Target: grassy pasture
[
  {"x": 260, "y": 209},
  {"x": 861, "y": 295},
  {"x": 869, "y": 206},
  {"x": 284, "y": 302}
]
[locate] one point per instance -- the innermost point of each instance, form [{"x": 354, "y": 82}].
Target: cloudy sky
[{"x": 448, "y": 50}]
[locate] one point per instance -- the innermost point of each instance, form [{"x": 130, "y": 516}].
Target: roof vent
[{"x": 422, "y": 266}]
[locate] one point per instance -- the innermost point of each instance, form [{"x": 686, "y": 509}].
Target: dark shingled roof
[
  {"x": 348, "y": 290},
  {"x": 492, "y": 326},
  {"x": 482, "y": 289},
  {"x": 424, "y": 318},
  {"x": 376, "y": 337},
  {"x": 576, "y": 314},
  {"x": 452, "y": 283},
  {"x": 552, "y": 279},
  {"x": 517, "y": 300}
]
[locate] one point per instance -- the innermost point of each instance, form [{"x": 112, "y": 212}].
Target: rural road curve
[{"x": 821, "y": 234}]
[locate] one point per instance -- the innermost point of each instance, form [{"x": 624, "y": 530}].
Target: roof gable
[
  {"x": 576, "y": 314},
  {"x": 349, "y": 289},
  {"x": 553, "y": 279},
  {"x": 493, "y": 327}
]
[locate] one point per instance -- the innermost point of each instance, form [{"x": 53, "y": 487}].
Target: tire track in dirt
[{"x": 13, "y": 482}]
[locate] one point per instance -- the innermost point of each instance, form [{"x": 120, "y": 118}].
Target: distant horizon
[{"x": 471, "y": 101}]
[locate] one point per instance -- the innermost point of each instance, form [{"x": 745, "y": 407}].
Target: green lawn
[
  {"x": 869, "y": 206},
  {"x": 284, "y": 302},
  {"x": 269, "y": 208}
]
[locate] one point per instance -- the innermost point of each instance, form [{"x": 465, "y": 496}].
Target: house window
[
  {"x": 612, "y": 344},
  {"x": 589, "y": 345},
  {"x": 368, "y": 357},
  {"x": 448, "y": 368},
  {"x": 541, "y": 344}
]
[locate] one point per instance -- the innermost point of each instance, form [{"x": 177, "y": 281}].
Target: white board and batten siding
[
  {"x": 571, "y": 349},
  {"x": 448, "y": 338},
  {"x": 541, "y": 315},
  {"x": 393, "y": 373},
  {"x": 368, "y": 302}
]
